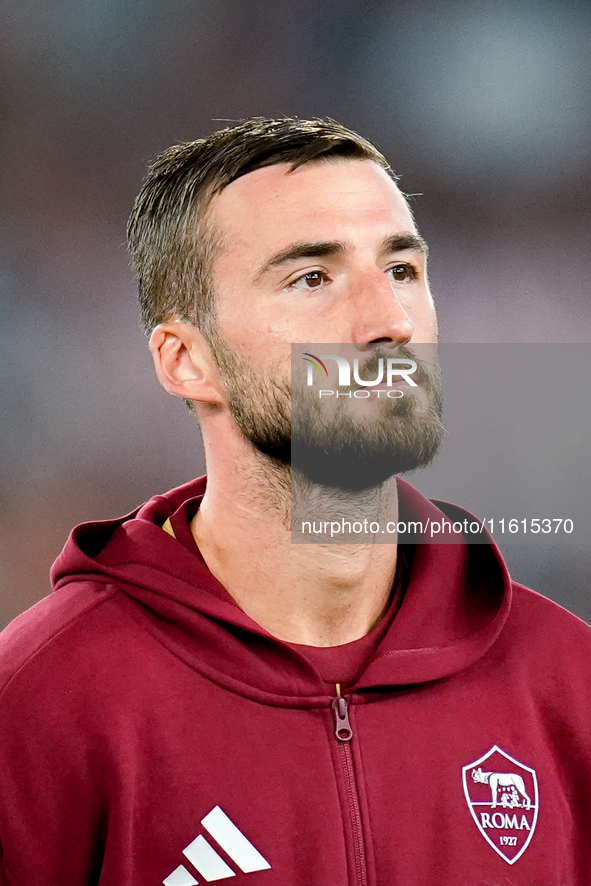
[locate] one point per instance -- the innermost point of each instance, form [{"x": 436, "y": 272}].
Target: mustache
[{"x": 426, "y": 374}]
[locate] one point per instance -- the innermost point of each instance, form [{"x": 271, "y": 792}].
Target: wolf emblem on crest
[
  {"x": 503, "y": 800},
  {"x": 504, "y": 780}
]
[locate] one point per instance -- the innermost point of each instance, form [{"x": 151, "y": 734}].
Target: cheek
[
  {"x": 262, "y": 333},
  {"x": 259, "y": 342},
  {"x": 256, "y": 339},
  {"x": 425, "y": 321}
]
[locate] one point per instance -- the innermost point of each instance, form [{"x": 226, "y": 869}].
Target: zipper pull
[{"x": 340, "y": 712}]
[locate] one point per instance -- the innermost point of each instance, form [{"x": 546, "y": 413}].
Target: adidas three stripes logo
[{"x": 208, "y": 863}]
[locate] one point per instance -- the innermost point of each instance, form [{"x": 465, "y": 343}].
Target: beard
[{"x": 334, "y": 445}]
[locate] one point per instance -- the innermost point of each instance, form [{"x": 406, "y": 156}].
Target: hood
[{"x": 456, "y": 602}]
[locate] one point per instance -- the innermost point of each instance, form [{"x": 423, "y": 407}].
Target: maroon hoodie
[{"x": 152, "y": 733}]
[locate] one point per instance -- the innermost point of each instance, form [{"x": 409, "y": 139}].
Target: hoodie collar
[{"x": 456, "y": 602}]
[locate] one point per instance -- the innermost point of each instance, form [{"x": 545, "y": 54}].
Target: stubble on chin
[{"x": 334, "y": 445}]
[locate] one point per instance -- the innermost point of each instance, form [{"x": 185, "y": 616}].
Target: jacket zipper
[{"x": 344, "y": 734}]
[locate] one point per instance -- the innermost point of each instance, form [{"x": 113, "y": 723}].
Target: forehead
[{"x": 321, "y": 200}]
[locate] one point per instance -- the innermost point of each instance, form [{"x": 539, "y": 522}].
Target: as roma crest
[{"x": 502, "y": 795}]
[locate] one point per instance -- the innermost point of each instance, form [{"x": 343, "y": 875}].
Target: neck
[{"x": 320, "y": 594}]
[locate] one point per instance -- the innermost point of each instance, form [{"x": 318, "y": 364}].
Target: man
[{"x": 201, "y": 698}]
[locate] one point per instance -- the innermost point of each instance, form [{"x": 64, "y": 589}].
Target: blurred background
[{"x": 484, "y": 109}]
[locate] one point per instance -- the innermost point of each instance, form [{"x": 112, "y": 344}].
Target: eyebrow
[
  {"x": 406, "y": 240},
  {"x": 397, "y": 243},
  {"x": 302, "y": 250}
]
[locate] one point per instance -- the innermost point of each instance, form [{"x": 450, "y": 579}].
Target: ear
[{"x": 184, "y": 363}]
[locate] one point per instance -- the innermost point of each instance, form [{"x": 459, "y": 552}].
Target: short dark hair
[{"x": 170, "y": 244}]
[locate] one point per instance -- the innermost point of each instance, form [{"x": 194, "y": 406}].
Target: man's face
[{"x": 326, "y": 253}]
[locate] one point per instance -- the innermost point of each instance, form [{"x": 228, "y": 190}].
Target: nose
[{"x": 379, "y": 317}]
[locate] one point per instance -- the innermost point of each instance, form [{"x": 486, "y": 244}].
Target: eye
[
  {"x": 310, "y": 280},
  {"x": 402, "y": 273}
]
